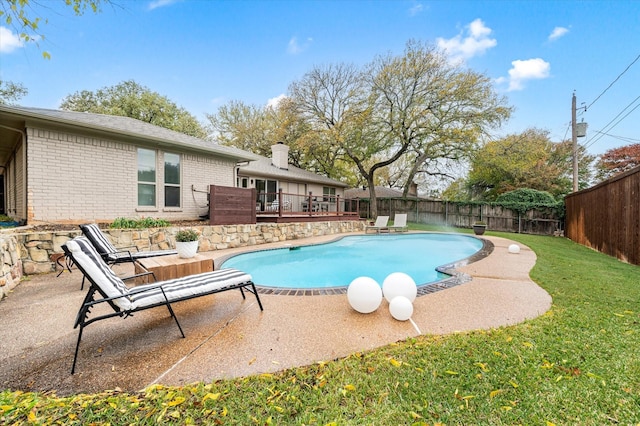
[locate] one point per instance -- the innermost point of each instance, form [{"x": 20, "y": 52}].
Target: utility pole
[{"x": 574, "y": 141}]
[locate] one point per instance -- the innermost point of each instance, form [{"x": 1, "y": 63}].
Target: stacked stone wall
[{"x": 27, "y": 253}]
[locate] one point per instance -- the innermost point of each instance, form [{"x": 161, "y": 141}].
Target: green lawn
[{"x": 577, "y": 364}]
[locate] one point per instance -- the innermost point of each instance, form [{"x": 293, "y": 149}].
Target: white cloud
[
  {"x": 524, "y": 70},
  {"x": 475, "y": 43},
  {"x": 294, "y": 47},
  {"x": 415, "y": 9},
  {"x": 155, "y": 4},
  {"x": 9, "y": 41},
  {"x": 273, "y": 102},
  {"x": 557, "y": 33}
]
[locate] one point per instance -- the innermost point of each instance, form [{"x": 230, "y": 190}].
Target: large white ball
[
  {"x": 401, "y": 308},
  {"x": 514, "y": 248},
  {"x": 364, "y": 294},
  {"x": 399, "y": 284}
]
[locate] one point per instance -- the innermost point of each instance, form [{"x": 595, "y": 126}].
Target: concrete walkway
[{"x": 228, "y": 337}]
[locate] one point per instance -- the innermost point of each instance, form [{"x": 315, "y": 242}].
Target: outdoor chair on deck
[
  {"x": 112, "y": 255},
  {"x": 379, "y": 225},
  {"x": 399, "y": 222},
  {"x": 124, "y": 301}
]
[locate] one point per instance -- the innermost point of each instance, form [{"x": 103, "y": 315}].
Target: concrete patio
[{"x": 228, "y": 337}]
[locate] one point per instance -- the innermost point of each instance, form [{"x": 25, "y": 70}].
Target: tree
[
  {"x": 451, "y": 110},
  {"x": 11, "y": 92},
  {"x": 255, "y": 129},
  {"x": 618, "y": 160},
  {"x": 526, "y": 160},
  {"x": 242, "y": 126},
  {"x": 21, "y": 15},
  {"x": 130, "y": 99},
  {"x": 414, "y": 107}
]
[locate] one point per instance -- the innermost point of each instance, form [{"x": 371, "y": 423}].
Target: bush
[
  {"x": 526, "y": 195},
  {"x": 185, "y": 235},
  {"x": 145, "y": 222}
]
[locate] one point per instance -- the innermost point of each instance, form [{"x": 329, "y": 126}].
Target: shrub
[
  {"x": 185, "y": 235},
  {"x": 145, "y": 222}
]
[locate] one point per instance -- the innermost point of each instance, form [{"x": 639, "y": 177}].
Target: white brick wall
[{"x": 77, "y": 178}]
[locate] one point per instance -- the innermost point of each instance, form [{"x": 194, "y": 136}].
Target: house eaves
[
  {"x": 125, "y": 128},
  {"x": 264, "y": 168}
]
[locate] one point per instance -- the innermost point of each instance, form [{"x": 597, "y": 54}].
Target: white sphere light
[
  {"x": 364, "y": 295},
  {"x": 401, "y": 308},
  {"x": 399, "y": 284},
  {"x": 514, "y": 248}
]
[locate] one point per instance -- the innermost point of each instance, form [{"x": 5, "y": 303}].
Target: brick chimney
[
  {"x": 413, "y": 190},
  {"x": 280, "y": 155}
]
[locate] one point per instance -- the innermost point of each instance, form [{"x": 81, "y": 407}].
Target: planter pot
[
  {"x": 479, "y": 229},
  {"x": 187, "y": 249}
]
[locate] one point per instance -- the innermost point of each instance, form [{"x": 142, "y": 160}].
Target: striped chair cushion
[
  {"x": 99, "y": 240},
  {"x": 186, "y": 287},
  {"x": 86, "y": 256},
  {"x": 108, "y": 250}
]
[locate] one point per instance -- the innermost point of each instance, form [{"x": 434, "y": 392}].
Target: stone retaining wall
[{"x": 25, "y": 252}]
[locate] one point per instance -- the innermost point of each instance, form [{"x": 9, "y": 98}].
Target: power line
[
  {"x": 603, "y": 131},
  {"x": 613, "y": 82},
  {"x": 622, "y": 138}
]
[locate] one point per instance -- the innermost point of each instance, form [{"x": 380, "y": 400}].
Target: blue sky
[{"x": 202, "y": 54}]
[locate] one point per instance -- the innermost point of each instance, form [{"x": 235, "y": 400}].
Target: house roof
[
  {"x": 14, "y": 118},
  {"x": 264, "y": 167}
]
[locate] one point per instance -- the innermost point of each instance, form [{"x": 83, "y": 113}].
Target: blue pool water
[{"x": 338, "y": 263}]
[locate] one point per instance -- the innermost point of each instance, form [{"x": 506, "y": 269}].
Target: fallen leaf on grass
[{"x": 495, "y": 393}]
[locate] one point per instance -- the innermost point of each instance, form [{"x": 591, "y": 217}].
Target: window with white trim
[
  {"x": 172, "y": 180},
  {"x": 329, "y": 194},
  {"x": 146, "y": 177}
]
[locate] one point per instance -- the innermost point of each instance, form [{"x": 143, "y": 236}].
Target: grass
[{"x": 576, "y": 364}]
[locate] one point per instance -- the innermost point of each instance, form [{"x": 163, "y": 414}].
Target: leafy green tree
[
  {"x": 22, "y": 16},
  {"x": 256, "y": 128},
  {"x": 525, "y": 160},
  {"x": 242, "y": 126},
  {"x": 526, "y": 195},
  {"x": 130, "y": 99},
  {"x": 11, "y": 92}
]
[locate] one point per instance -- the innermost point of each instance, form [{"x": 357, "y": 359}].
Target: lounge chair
[
  {"x": 112, "y": 255},
  {"x": 124, "y": 301},
  {"x": 380, "y": 225},
  {"x": 399, "y": 222}
]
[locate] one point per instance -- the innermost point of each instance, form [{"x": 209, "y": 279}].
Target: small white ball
[
  {"x": 514, "y": 248},
  {"x": 399, "y": 284},
  {"x": 401, "y": 308},
  {"x": 364, "y": 294}
]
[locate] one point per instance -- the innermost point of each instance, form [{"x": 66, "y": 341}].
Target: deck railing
[{"x": 286, "y": 204}]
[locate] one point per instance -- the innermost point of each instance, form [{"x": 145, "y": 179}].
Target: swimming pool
[{"x": 337, "y": 263}]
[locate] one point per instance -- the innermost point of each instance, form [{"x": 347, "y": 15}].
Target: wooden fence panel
[
  {"x": 606, "y": 217},
  {"x": 230, "y": 206},
  {"x": 463, "y": 215}
]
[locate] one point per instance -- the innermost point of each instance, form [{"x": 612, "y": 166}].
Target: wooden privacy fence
[
  {"x": 606, "y": 217},
  {"x": 545, "y": 221}
]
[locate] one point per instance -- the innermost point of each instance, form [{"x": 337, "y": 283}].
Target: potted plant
[
  {"x": 187, "y": 243},
  {"x": 479, "y": 227}
]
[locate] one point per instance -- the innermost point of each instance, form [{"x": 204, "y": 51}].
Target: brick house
[{"x": 63, "y": 166}]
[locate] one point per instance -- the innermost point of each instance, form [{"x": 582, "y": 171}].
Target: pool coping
[{"x": 455, "y": 277}]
